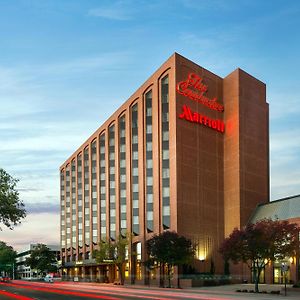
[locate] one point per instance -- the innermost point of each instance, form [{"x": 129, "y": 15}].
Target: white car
[{"x": 48, "y": 278}]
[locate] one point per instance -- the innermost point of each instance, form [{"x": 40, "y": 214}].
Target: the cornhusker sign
[
  {"x": 194, "y": 89},
  {"x": 189, "y": 115}
]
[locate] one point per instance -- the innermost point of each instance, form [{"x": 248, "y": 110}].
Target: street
[{"x": 22, "y": 290}]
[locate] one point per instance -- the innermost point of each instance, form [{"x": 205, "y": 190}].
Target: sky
[{"x": 66, "y": 66}]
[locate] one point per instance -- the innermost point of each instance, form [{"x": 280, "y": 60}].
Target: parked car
[{"x": 4, "y": 279}]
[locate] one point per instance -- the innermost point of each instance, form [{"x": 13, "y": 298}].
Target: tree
[
  {"x": 42, "y": 259},
  {"x": 7, "y": 258},
  {"x": 258, "y": 244},
  {"x": 113, "y": 253},
  {"x": 169, "y": 249},
  {"x": 11, "y": 207}
]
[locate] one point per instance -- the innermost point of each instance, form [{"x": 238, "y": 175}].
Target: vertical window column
[
  {"x": 135, "y": 169},
  {"x": 149, "y": 162},
  {"x": 68, "y": 207},
  {"x": 122, "y": 174},
  {"x": 165, "y": 152},
  {"x": 79, "y": 200},
  {"x": 86, "y": 197},
  {"x": 102, "y": 188},
  {"x": 63, "y": 212},
  {"x": 74, "y": 216},
  {"x": 94, "y": 193},
  {"x": 112, "y": 183}
]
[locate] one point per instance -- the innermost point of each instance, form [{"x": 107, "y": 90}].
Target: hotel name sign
[{"x": 194, "y": 89}]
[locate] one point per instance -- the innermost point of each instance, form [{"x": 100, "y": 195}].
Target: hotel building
[{"x": 188, "y": 151}]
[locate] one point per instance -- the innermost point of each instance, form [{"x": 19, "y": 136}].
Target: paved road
[{"x": 21, "y": 290}]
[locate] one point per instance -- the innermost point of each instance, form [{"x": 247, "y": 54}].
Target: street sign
[{"x": 284, "y": 267}]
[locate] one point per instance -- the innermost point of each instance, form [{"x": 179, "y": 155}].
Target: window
[
  {"x": 165, "y": 154},
  {"x": 135, "y": 172},
  {"x": 166, "y": 192},
  {"x": 122, "y": 178},
  {"x": 135, "y": 155},
  {"x": 149, "y": 164},
  {"x": 149, "y": 181},
  {"x": 135, "y": 188}
]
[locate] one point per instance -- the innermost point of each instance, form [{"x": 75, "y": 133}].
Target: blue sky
[{"x": 65, "y": 66}]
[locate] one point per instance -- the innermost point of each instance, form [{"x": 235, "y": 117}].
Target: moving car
[
  {"x": 4, "y": 279},
  {"x": 48, "y": 278}
]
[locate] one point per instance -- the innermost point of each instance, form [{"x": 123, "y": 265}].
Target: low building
[
  {"x": 283, "y": 209},
  {"x": 25, "y": 272}
]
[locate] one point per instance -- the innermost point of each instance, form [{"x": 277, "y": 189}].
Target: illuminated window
[{"x": 138, "y": 261}]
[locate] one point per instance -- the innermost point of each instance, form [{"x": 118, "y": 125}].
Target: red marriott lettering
[
  {"x": 195, "y": 117},
  {"x": 194, "y": 88}
]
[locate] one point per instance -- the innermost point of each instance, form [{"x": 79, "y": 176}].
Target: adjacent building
[
  {"x": 25, "y": 272},
  {"x": 188, "y": 151},
  {"x": 283, "y": 209}
]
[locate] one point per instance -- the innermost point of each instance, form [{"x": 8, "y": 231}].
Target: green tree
[
  {"x": 170, "y": 249},
  {"x": 258, "y": 244},
  {"x": 7, "y": 258},
  {"x": 113, "y": 253},
  {"x": 42, "y": 259},
  {"x": 11, "y": 207}
]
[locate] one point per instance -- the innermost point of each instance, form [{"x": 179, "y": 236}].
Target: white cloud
[
  {"x": 285, "y": 141},
  {"x": 288, "y": 109},
  {"x": 40, "y": 228},
  {"x": 117, "y": 11},
  {"x": 108, "y": 13},
  {"x": 285, "y": 163},
  {"x": 284, "y": 183}
]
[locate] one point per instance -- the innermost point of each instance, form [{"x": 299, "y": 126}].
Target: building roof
[
  {"x": 283, "y": 209},
  {"x": 31, "y": 247}
]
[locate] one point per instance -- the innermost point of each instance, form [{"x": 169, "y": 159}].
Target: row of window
[{"x": 90, "y": 209}]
